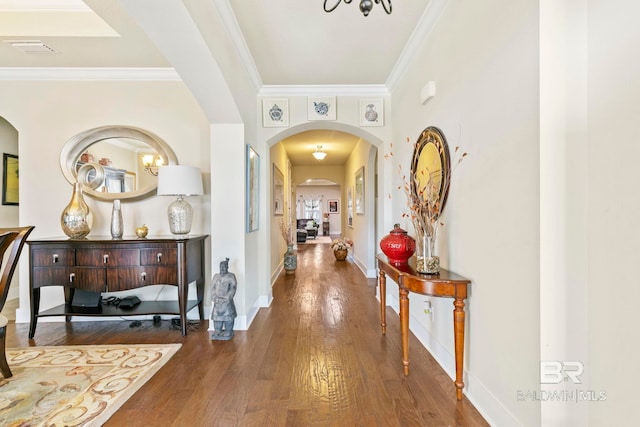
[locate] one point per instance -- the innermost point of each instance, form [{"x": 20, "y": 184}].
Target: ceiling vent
[{"x": 31, "y": 46}]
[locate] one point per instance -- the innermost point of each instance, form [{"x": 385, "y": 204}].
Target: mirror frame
[
  {"x": 79, "y": 143},
  {"x": 433, "y": 135}
]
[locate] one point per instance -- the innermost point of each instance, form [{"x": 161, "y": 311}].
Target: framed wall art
[
  {"x": 349, "y": 206},
  {"x": 278, "y": 191},
  {"x": 275, "y": 112},
  {"x": 321, "y": 108},
  {"x": 371, "y": 112},
  {"x": 10, "y": 179},
  {"x": 358, "y": 201},
  {"x": 252, "y": 190},
  {"x": 333, "y": 206}
]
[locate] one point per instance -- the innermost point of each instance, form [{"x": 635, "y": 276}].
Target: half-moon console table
[
  {"x": 445, "y": 284},
  {"x": 103, "y": 264}
]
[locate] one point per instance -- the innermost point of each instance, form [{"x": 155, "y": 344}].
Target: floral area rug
[{"x": 75, "y": 386}]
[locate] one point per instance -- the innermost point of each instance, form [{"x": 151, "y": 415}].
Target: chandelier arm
[
  {"x": 384, "y": 5},
  {"x": 334, "y": 6}
]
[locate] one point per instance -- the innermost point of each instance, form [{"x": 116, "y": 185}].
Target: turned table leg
[
  {"x": 382, "y": 282},
  {"x": 404, "y": 328},
  {"x": 458, "y": 325}
]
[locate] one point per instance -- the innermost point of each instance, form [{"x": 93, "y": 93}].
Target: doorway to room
[
  {"x": 9, "y": 210},
  {"x": 320, "y": 200}
]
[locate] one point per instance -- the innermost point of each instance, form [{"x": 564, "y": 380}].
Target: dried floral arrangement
[
  {"x": 424, "y": 206},
  {"x": 285, "y": 230},
  {"x": 341, "y": 244}
]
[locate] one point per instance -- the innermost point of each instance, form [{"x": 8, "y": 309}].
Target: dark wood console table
[
  {"x": 446, "y": 284},
  {"x": 103, "y": 264}
]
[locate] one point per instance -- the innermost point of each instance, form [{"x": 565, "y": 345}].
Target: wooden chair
[{"x": 15, "y": 239}]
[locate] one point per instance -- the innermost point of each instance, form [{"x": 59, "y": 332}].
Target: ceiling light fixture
[
  {"x": 319, "y": 154},
  {"x": 365, "y": 6}
]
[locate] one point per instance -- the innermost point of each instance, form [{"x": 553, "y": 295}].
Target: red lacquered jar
[{"x": 398, "y": 246}]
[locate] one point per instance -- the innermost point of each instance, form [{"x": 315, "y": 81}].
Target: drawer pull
[
  {"x": 105, "y": 258},
  {"x": 56, "y": 258},
  {"x": 159, "y": 257},
  {"x": 144, "y": 275},
  {"x": 72, "y": 276}
]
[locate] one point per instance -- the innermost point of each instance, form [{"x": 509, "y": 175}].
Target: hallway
[{"x": 316, "y": 357}]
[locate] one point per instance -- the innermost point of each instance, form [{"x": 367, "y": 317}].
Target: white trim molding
[{"x": 88, "y": 74}]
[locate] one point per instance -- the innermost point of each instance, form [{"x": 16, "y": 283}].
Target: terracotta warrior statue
[{"x": 223, "y": 288}]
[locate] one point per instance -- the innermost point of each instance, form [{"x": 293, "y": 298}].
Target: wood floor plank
[{"x": 315, "y": 357}]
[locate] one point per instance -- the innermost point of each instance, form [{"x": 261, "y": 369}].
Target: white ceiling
[{"x": 291, "y": 43}]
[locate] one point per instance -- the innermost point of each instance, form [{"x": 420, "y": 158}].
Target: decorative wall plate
[
  {"x": 371, "y": 112},
  {"x": 275, "y": 112},
  {"x": 321, "y": 108}
]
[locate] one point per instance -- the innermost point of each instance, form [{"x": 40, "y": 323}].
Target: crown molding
[
  {"x": 88, "y": 74},
  {"x": 44, "y": 5},
  {"x": 307, "y": 90},
  {"x": 233, "y": 30},
  {"x": 427, "y": 22}
]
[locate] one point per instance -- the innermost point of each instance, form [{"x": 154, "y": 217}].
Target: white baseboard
[{"x": 368, "y": 273}]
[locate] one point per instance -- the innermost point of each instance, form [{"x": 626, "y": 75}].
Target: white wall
[
  {"x": 362, "y": 232},
  {"x": 45, "y": 123},
  {"x": 278, "y": 244},
  {"x": 483, "y": 57},
  {"x": 613, "y": 208},
  {"x": 563, "y": 192}
]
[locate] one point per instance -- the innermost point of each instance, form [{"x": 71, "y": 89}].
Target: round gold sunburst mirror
[{"x": 431, "y": 170}]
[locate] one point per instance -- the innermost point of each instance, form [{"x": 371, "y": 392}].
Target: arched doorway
[
  {"x": 359, "y": 226},
  {"x": 9, "y": 171}
]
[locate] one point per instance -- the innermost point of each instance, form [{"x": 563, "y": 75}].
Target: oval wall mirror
[
  {"x": 431, "y": 171},
  {"x": 115, "y": 162}
]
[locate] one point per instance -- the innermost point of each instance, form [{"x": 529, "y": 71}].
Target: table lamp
[{"x": 181, "y": 181}]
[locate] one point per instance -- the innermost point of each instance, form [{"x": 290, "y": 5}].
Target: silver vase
[
  {"x": 76, "y": 216},
  {"x": 117, "y": 228}
]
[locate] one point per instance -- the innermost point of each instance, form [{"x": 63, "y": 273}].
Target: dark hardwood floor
[{"x": 315, "y": 357}]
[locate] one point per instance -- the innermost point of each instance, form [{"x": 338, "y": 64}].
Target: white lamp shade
[{"x": 179, "y": 180}]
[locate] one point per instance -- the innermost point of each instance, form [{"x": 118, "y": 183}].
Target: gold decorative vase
[
  {"x": 76, "y": 216},
  {"x": 341, "y": 254}
]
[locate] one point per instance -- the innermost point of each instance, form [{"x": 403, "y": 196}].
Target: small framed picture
[
  {"x": 371, "y": 112},
  {"x": 321, "y": 108},
  {"x": 275, "y": 112},
  {"x": 359, "y": 193},
  {"x": 333, "y": 206},
  {"x": 278, "y": 191},
  {"x": 10, "y": 180},
  {"x": 350, "y": 206},
  {"x": 252, "y": 195}
]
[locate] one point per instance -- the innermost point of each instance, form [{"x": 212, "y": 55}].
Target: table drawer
[
  {"x": 90, "y": 279},
  {"x": 122, "y": 278},
  {"x": 158, "y": 256},
  {"x": 52, "y": 257},
  {"x": 51, "y": 276},
  {"x": 107, "y": 257}
]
